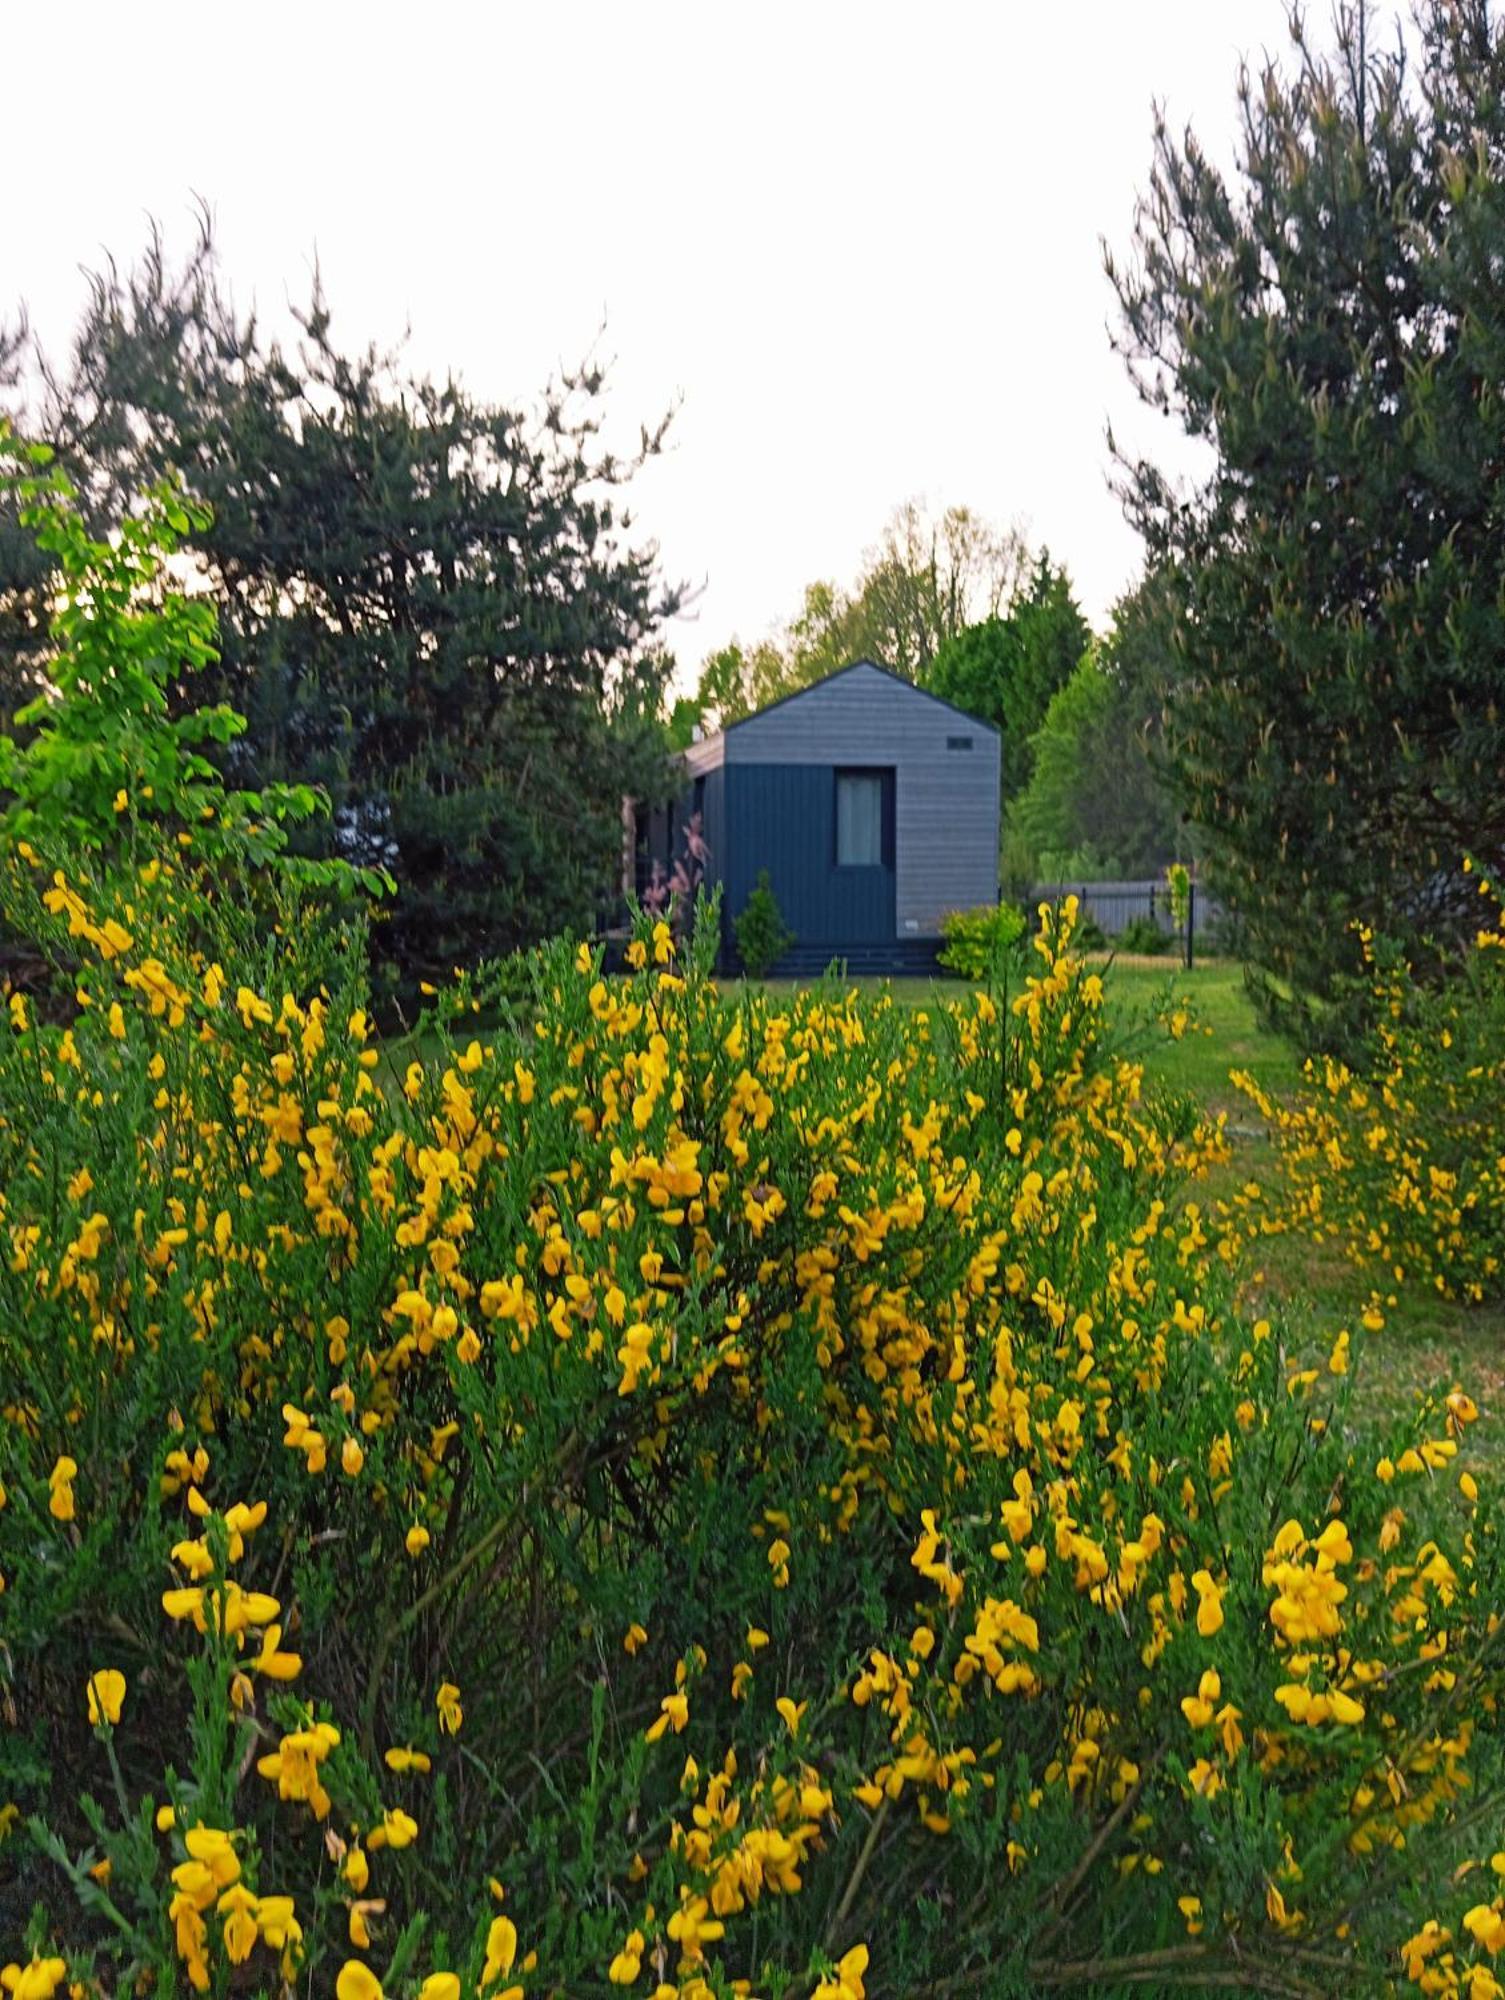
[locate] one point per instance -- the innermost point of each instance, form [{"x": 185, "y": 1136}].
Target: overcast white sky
[{"x": 860, "y": 242}]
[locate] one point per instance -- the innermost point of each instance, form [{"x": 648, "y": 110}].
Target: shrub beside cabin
[{"x": 872, "y": 804}]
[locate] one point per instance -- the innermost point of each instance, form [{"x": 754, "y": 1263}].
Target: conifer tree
[
  {"x": 430, "y": 605},
  {"x": 1329, "y": 325}
]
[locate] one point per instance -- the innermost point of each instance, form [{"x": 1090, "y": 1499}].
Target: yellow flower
[
  {"x": 1205, "y": 1778},
  {"x": 185, "y": 1603},
  {"x": 1199, "y": 1708},
  {"x": 407, "y": 1760},
  {"x": 451, "y": 1715},
  {"x": 281, "y": 1930},
  {"x": 357, "y": 1982},
  {"x": 275, "y": 1664},
  {"x": 440, "y": 1985},
  {"x": 397, "y": 1829},
  {"x": 238, "y": 1908},
  {"x": 213, "y": 1849},
  {"x": 106, "y": 1693},
  {"x": 194, "y": 1556},
  {"x": 1485, "y": 1926},
  {"x": 1209, "y": 1603},
  {"x": 360, "y": 1933},
  {"x": 416, "y": 1540},
  {"x": 60, "y": 1505},
  {"x": 848, "y": 1982},
  {"x": 501, "y": 1950},
  {"x": 1280, "y": 1916},
  {"x": 37, "y": 1981},
  {"x": 628, "y": 1962},
  {"x": 636, "y": 1637},
  {"x": 675, "y": 1712}
]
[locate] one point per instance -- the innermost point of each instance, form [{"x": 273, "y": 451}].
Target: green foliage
[
  {"x": 918, "y": 589},
  {"x": 762, "y": 935},
  {"x": 1396, "y": 1151},
  {"x": 1178, "y": 882},
  {"x": 1328, "y": 600},
  {"x": 106, "y": 757},
  {"x": 1143, "y": 936},
  {"x": 1006, "y": 669},
  {"x": 976, "y": 940},
  {"x": 1019, "y": 872},
  {"x": 426, "y": 603},
  {"x": 1095, "y": 803}
]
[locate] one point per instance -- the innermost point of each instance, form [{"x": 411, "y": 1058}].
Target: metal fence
[{"x": 1114, "y": 906}]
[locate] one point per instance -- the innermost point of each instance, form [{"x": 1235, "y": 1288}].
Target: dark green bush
[
  {"x": 762, "y": 935},
  {"x": 1144, "y": 936}
]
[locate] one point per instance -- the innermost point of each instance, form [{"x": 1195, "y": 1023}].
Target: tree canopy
[
  {"x": 1329, "y": 324},
  {"x": 1095, "y": 802},
  {"x": 927, "y": 579},
  {"x": 1006, "y": 668},
  {"x": 429, "y": 604}
]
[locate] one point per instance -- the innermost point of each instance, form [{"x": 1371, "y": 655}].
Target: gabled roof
[
  {"x": 841, "y": 673},
  {"x": 799, "y": 693}
]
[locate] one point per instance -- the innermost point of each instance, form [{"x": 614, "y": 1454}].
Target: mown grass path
[{"x": 1426, "y": 1339}]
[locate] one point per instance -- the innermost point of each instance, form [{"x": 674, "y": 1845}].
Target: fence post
[{"x": 1191, "y": 922}]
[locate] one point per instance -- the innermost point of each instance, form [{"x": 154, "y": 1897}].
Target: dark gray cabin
[{"x": 872, "y": 804}]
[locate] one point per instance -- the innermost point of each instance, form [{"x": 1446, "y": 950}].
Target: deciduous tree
[
  {"x": 1007, "y": 668},
  {"x": 924, "y": 583}
]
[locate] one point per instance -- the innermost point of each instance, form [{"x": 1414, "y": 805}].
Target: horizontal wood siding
[
  {"x": 946, "y": 798},
  {"x": 782, "y": 817}
]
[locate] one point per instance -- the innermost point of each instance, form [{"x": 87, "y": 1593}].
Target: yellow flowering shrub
[
  {"x": 690, "y": 1495},
  {"x": 666, "y": 1493},
  {"x": 1398, "y": 1156}
]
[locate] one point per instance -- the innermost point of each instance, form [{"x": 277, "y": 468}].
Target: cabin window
[
  {"x": 859, "y": 819},
  {"x": 958, "y": 743}
]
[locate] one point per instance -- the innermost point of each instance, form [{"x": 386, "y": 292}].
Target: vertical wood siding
[{"x": 782, "y": 817}]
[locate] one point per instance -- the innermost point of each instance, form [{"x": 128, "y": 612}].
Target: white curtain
[{"x": 859, "y": 819}]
